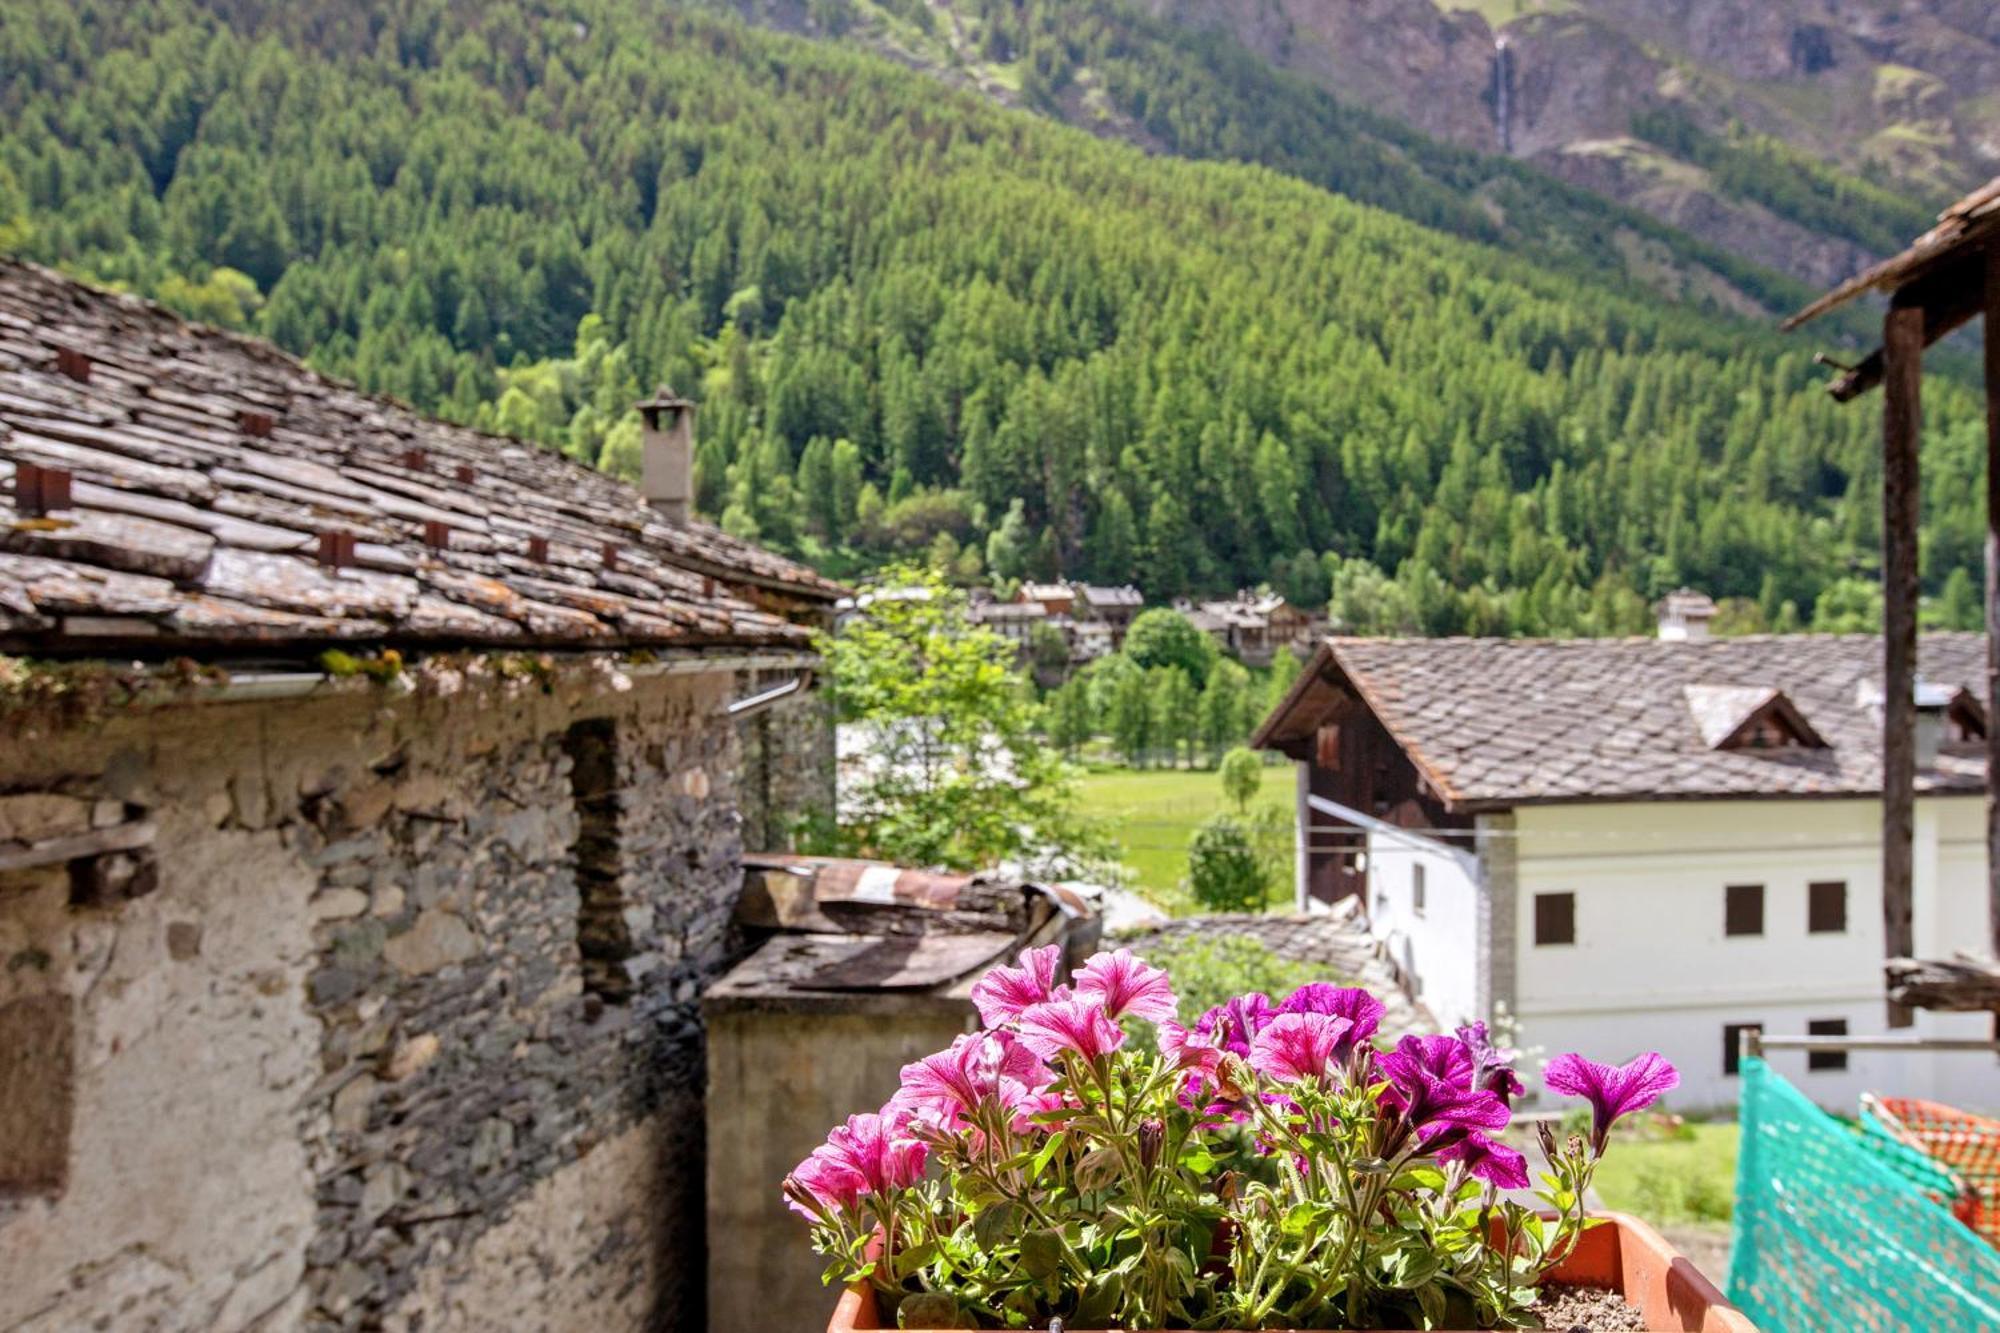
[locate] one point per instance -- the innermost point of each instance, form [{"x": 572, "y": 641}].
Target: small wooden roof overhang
[{"x": 1943, "y": 273}]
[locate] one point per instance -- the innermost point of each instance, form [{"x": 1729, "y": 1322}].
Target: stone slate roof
[
  {"x": 1337, "y": 941},
  {"x": 205, "y": 468},
  {"x": 1494, "y": 723}
]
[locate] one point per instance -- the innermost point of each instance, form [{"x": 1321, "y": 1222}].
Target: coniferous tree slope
[{"x": 920, "y": 324}]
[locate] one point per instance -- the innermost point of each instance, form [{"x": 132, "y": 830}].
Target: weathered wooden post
[
  {"x": 1993, "y": 602},
  {"x": 1902, "y": 422}
]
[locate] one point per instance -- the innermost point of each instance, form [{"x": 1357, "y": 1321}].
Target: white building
[{"x": 1647, "y": 843}]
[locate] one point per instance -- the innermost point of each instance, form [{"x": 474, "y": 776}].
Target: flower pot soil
[{"x": 1588, "y": 1310}]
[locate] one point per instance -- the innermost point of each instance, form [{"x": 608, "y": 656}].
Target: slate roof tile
[
  {"x": 205, "y": 468},
  {"x": 1501, "y": 722}
]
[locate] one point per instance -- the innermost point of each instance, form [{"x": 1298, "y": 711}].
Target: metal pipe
[
  {"x": 757, "y": 703},
  {"x": 261, "y": 686}
]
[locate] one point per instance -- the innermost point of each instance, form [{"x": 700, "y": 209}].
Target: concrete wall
[
  {"x": 1437, "y": 947},
  {"x": 778, "y": 1079},
  {"x": 1652, "y": 968},
  {"x": 341, "y": 1069}
]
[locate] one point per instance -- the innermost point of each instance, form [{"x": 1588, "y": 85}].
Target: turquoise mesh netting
[{"x": 1829, "y": 1237}]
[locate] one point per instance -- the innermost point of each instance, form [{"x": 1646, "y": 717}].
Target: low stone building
[
  {"x": 860, "y": 968},
  {"x": 359, "y": 989}
]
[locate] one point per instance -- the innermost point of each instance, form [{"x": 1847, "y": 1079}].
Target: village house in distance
[
  {"x": 1646, "y": 843},
  {"x": 360, "y": 991}
]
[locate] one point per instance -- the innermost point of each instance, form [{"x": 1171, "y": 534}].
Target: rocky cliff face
[{"x": 1897, "y": 93}]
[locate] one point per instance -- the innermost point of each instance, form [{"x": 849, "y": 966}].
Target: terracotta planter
[{"x": 1625, "y": 1255}]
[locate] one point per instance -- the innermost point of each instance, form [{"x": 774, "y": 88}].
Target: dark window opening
[
  {"x": 1743, "y": 909},
  {"x": 1417, "y": 890},
  {"x": 1732, "y": 1044},
  {"x": 37, "y": 1094},
  {"x": 602, "y": 936},
  {"x": 1826, "y": 1027},
  {"x": 1555, "y": 918},
  {"x": 1826, "y": 907}
]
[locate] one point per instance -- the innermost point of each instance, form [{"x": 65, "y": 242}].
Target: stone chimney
[
  {"x": 666, "y": 455},
  {"x": 1684, "y": 615}
]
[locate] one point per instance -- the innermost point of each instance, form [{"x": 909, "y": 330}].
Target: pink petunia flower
[
  {"x": 1296, "y": 1046},
  {"x": 1077, "y": 1025},
  {"x": 1490, "y": 1161},
  {"x": 1004, "y": 992},
  {"x": 1126, "y": 984},
  {"x": 821, "y": 1187},
  {"x": 1185, "y": 1050},
  {"x": 879, "y": 1149},
  {"x": 1613, "y": 1091},
  {"x": 976, "y": 1069},
  {"x": 1362, "y": 1010}
]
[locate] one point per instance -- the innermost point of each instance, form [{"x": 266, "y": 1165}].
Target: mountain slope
[
  {"x": 1806, "y": 133},
  {"x": 917, "y": 323},
  {"x": 1108, "y": 67}
]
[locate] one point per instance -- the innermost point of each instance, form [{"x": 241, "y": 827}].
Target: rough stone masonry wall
[{"x": 342, "y": 1068}]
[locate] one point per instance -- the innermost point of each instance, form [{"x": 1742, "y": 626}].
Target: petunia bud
[
  {"x": 1151, "y": 1134},
  {"x": 1548, "y": 1138}
]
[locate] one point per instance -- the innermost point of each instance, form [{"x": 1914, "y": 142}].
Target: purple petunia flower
[
  {"x": 1296, "y": 1046},
  {"x": 1431, "y": 1086},
  {"x": 1235, "y": 1025},
  {"x": 1492, "y": 1068},
  {"x": 1612, "y": 1090},
  {"x": 974, "y": 1070},
  {"x": 1491, "y": 1161},
  {"x": 1125, "y": 984},
  {"x": 1004, "y": 992},
  {"x": 1362, "y": 1010},
  {"x": 1445, "y": 1058},
  {"x": 1078, "y": 1025}
]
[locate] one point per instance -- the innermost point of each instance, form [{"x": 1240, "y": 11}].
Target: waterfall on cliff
[{"x": 1503, "y": 90}]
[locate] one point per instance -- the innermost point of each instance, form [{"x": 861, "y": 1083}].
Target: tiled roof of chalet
[
  {"x": 205, "y": 468},
  {"x": 1494, "y": 723},
  {"x": 1098, "y": 596}
]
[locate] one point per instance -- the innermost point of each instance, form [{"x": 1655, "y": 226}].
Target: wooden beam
[
  {"x": 1902, "y": 422},
  {"x": 1951, "y": 297},
  {"x": 1992, "y": 286}
]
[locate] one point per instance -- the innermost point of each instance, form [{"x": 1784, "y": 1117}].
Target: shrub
[
  {"x": 1242, "y": 774},
  {"x": 1225, "y": 873}
]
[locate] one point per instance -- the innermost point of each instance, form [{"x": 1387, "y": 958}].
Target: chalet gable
[{"x": 1750, "y": 717}]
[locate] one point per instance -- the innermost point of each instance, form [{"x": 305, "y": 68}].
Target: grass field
[
  {"x": 1153, "y": 812},
  {"x": 1672, "y": 1180}
]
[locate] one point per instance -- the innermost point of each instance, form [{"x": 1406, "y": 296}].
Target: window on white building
[
  {"x": 1743, "y": 909},
  {"x": 1826, "y": 1060},
  {"x": 1826, "y": 907},
  {"x": 1555, "y": 918},
  {"x": 1417, "y": 889},
  {"x": 1732, "y": 1044}
]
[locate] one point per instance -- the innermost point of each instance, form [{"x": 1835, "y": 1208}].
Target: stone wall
[{"x": 342, "y": 1068}]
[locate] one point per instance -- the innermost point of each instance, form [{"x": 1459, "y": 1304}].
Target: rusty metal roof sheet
[{"x": 207, "y": 469}]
